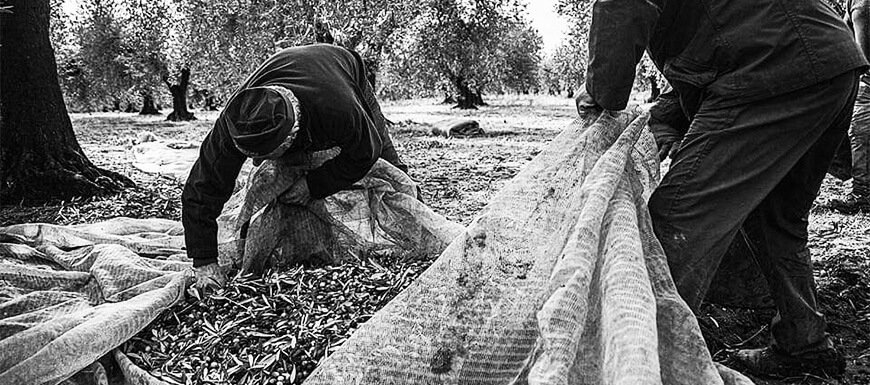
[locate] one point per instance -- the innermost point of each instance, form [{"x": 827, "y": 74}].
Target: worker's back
[
  {"x": 327, "y": 81},
  {"x": 741, "y": 51}
]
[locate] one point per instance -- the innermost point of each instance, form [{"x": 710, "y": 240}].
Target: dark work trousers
[
  {"x": 859, "y": 136},
  {"x": 760, "y": 165}
]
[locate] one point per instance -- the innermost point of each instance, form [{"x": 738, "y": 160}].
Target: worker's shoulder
[{"x": 315, "y": 50}]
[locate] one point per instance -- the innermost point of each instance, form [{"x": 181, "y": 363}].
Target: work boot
[
  {"x": 774, "y": 362},
  {"x": 851, "y": 204}
]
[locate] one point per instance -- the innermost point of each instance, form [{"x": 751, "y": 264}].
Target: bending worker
[
  {"x": 302, "y": 99},
  {"x": 768, "y": 86}
]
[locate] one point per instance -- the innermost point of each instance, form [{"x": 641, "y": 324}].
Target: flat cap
[{"x": 259, "y": 119}]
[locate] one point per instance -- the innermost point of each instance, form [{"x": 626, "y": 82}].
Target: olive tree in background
[
  {"x": 522, "y": 60},
  {"x": 461, "y": 47},
  {"x": 93, "y": 71},
  {"x": 40, "y": 158},
  {"x": 228, "y": 39}
]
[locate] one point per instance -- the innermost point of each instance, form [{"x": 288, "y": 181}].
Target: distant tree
[
  {"x": 572, "y": 56},
  {"x": 369, "y": 27},
  {"x": 147, "y": 27},
  {"x": 565, "y": 68},
  {"x": 548, "y": 77},
  {"x": 458, "y": 42},
  {"x": 179, "y": 96},
  {"x": 228, "y": 39},
  {"x": 522, "y": 56},
  {"x": 40, "y": 158},
  {"x": 97, "y": 74}
]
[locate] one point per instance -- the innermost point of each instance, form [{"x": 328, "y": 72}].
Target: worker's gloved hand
[
  {"x": 667, "y": 139},
  {"x": 298, "y": 194},
  {"x": 209, "y": 278},
  {"x": 585, "y": 102}
]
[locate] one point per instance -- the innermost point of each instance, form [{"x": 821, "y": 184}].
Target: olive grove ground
[{"x": 458, "y": 176}]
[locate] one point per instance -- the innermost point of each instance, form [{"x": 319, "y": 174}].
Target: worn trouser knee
[{"x": 690, "y": 283}]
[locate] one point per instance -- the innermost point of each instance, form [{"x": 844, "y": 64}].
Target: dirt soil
[{"x": 458, "y": 177}]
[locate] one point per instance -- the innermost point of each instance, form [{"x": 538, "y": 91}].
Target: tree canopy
[
  {"x": 463, "y": 47},
  {"x": 126, "y": 50}
]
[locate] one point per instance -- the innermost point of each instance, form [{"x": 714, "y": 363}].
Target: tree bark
[
  {"x": 148, "y": 106},
  {"x": 478, "y": 98},
  {"x": 40, "y": 158},
  {"x": 131, "y": 108},
  {"x": 465, "y": 99},
  {"x": 179, "y": 98}
]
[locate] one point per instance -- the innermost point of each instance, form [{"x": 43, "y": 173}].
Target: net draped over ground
[
  {"x": 560, "y": 280},
  {"x": 71, "y": 294}
]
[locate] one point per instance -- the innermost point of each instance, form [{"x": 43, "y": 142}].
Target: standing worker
[
  {"x": 301, "y": 100},
  {"x": 769, "y": 87},
  {"x": 858, "y": 18}
]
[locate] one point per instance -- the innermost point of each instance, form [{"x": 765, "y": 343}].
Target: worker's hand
[
  {"x": 667, "y": 139},
  {"x": 298, "y": 194},
  {"x": 209, "y": 278},
  {"x": 584, "y": 101}
]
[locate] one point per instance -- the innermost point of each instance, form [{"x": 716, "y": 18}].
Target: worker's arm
[
  {"x": 208, "y": 187},
  {"x": 388, "y": 150},
  {"x": 618, "y": 36},
  {"x": 360, "y": 148},
  {"x": 860, "y": 14}
]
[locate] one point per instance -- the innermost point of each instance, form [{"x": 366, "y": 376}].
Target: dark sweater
[
  {"x": 719, "y": 52},
  {"x": 329, "y": 82}
]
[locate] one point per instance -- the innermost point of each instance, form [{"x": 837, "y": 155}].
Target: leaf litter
[{"x": 203, "y": 342}]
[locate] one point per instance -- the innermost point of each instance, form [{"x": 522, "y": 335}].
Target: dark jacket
[
  {"x": 724, "y": 52},
  {"x": 329, "y": 83}
]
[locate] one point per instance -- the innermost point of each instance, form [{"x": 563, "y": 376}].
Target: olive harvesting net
[
  {"x": 559, "y": 280},
  {"x": 71, "y": 294}
]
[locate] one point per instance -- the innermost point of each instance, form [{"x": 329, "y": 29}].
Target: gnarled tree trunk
[
  {"x": 40, "y": 158},
  {"x": 466, "y": 98},
  {"x": 179, "y": 97},
  {"x": 148, "y": 106},
  {"x": 131, "y": 108},
  {"x": 478, "y": 98}
]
